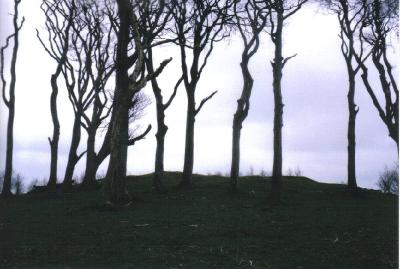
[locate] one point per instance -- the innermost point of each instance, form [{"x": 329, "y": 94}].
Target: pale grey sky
[{"x": 315, "y": 113}]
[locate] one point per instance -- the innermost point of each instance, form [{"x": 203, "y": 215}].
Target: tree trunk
[
  {"x": 91, "y": 167},
  {"x": 56, "y": 132},
  {"x": 394, "y": 134},
  {"x": 240, "y": 115},
  {"x": 161, "y": 127},
  {"x": 90, "y": 170},
  {"x": 351, "y": 135},
  {"x": 114, "y": 187},
  {"x": 73, "y": 156},
  {"x": 277, "y": 66},
  {"x": 159, "y": 160},
  {"x": 6, "y": 191},
  {"x": 237, "y": 126},
  {"x": 186, "y": 181}
]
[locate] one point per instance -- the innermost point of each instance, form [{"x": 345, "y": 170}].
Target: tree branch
[
  {"x": 166, "y": 105},
  {"x": 132, "y": 141},
  {"x": 204, "y": 101}
]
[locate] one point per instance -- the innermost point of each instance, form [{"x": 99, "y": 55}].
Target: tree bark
[
  {"x": 189, "y": 143},
  {"x": 56, "y": 130},
  {"x": 114, "y": 187},
  {"x": 91, "y": 168},
  {"x": 243, "y": 105},
  {"x": 277, "y": 66},
  {"x": 6, "y": 191},
  {"x": 10, "y": 104},
  {"x": 351, "y": 134},
  {"x": 161, "y": 127},
  {"x": 73, "y": 157},
  {"x": 159, "y": 160}
]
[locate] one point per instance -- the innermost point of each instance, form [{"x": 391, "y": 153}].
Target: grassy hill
[{"x": 318, "y": 226}]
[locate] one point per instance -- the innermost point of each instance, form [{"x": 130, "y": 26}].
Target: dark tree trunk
[
  {"x": 10, "y": 104},
  {"x": 277, "y": 66},
  {"x": 56, "y": 130},
  {"x": 159, "y": 160},
  {"x": 189, "y": 142},
  {"x": 161, "y": 127},
  {"x": 236, "y": 129},
  {"x": 91, "y": 156},
  {"x": 351, "y": 134},
  {"x": 73, "y": 157},
  {"x": 91, "y": 169},
  {"x": 240, "y": 115},
  {"x": 114, "y": 187},
  {"x": 6, "y": 191}
]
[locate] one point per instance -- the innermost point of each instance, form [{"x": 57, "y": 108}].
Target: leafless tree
[
  {"x": 127, "y": 85},
  {"x": 103, "y": 102},
  {"x": 86, "y": 72},
  {"x": 350, "y": 17},
  {"x": 59, "y": 20},
  {"x": 197, "y": 26},
  {"x": 10, "y": 100},
  {"x": 250, "y": 20},
  {"x": 280, "y": 11},
  {"x": 98, "y": 19},
  {"x": 154, "y": 16},
  {"x": 380, "y": 23}
]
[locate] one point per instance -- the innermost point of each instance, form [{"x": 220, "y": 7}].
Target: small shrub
[
  {"x": 289, "y": 172},
  {"x": 294, "y": 172},
  {"x": 32, "y": 184},
  {"x": 17, "y": 184},
  {"x": 251, "y": 171},
  {"x": 265, "y": 173},
  {"x": 298, "y": 172},
  {"x": 389, "y": 180}
]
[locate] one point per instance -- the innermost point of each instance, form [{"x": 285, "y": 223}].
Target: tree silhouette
[
  {"x": 154, "y": 16},
  {"x": 59, "y": 19},
  {"x": 197, "y": 26},
  {"x": 250, "y": 20},
  {"x": 280, "y": 11},
  {"x": 10, "y": 100},
  {"x": 379, "y": 23},
  {"x": 127, "y": 85},
  {"x": 350, "y": 16}
]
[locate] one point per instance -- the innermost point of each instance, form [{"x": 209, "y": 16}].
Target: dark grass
[{"x": 317, "y": 226}]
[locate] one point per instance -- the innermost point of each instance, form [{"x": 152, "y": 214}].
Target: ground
[{"x": 317, "y": 226}]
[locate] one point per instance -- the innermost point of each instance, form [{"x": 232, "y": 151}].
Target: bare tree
[
  {"x": 59, "y": 20},
  {"x": 103, "y": 67},
  {"x": 280, "y": 11},
  {"x": 10, "y": 100},
  {"x": 98, "y": 20},
  {"x": 250, "y": 20},
  {"x": 154, "y": 16},
  {"x": 350, "y": 16},
  {"x": 127, "y": 85},
  {"x": 197, "y": 26},
  {"x": 380, "y": 22},
  {"x": 86, "y": 73}
]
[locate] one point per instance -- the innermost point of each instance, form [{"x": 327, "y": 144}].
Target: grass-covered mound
[{"x": 318, "y": 226}]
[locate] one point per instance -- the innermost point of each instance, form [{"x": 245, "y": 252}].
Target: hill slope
[{"x": 318, "y": 226}]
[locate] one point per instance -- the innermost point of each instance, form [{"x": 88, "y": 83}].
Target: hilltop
[{"x": 318, "y": 226}]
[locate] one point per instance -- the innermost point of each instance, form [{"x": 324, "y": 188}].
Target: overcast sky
[{"x": 314, "y": 94}]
